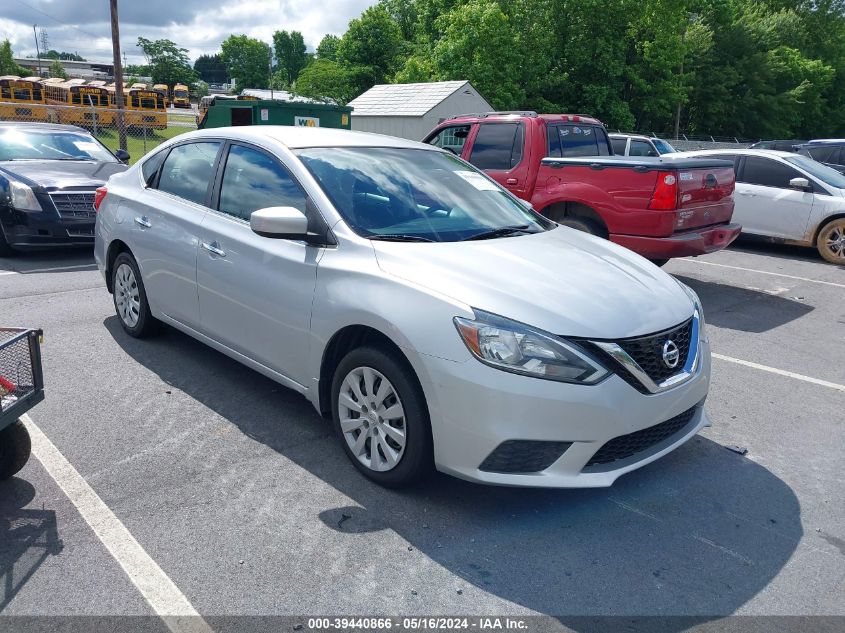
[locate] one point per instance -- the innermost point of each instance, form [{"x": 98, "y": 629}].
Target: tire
[
  {"x": 659, "y": 262},
  {"x": 130, "y": 298},
  {"x": 5, "y": 249},
  {"x": 582, "y": 224},
  {"x": 15, "y": 447},
  {"x": 413, "y": 459},
  {"x": 831, "y": 241}
]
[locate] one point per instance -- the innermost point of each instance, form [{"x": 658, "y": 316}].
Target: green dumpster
[{"x": 226, "y": 112}]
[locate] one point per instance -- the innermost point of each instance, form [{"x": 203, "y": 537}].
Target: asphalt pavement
[{"x": 244, "y": 499}]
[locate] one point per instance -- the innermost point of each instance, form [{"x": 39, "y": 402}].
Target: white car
[
  {"x": 788, "y": 197},
  {"x": 411, "y": 299},
  {"x": 639, "y": 145}
]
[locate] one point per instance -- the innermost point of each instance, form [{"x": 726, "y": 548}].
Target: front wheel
[
  {"x": 130, "y": 298},
  {"x": 15, "y": 448},
  {"x": 831, "y": 241},
  {"x": 5, "y": 249},
  {"x": 380, "y": 417}
]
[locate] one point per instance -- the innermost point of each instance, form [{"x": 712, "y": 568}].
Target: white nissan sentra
[{"x": 437, "y": 320}]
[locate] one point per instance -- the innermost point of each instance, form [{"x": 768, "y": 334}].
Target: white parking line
[
  {"x": 46, "y": 270},
  {"x": 762, "y": 272},
  {"x": 780, "y": 372},
  {"x": 163, "y": 596}
]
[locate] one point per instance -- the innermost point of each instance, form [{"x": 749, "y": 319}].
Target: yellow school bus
[
  {"x": 22, "y": 99},
  {"x": 166, "y": 90},
  {"x": 89, "y": 105},
  {"x": 181, "y": 96},
  {"x": 145, "y": 108}
]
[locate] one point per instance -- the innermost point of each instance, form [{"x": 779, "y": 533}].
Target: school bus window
[
  {"x": 5, "y": 92},
  {"x": 36, "y": 94},
  {"x": 23, "y": 94}
]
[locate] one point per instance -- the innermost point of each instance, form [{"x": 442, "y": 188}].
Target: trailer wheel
[{"x": 15, "y": 447}]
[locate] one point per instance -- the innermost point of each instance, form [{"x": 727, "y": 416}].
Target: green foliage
[
  {"x": 8, "y": 65},
  {"x": 137, "y": 69},
  {"x": 291, "y": 55},
  {"x": 326, "y": 79},
  {"x": 247, "y": 61},
  {"x": 373, "y": 41},
  {"x": 57, "y": 70},
  {"x": 51, "y": 54},
  {"x": 327, "y": 48},
  {"x": 168, "y": 63},
  {"x": 211, "y": 69},
  {"x": 199, "y": 89}
]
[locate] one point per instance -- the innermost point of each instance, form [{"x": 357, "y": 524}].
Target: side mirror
[
  {"x": 802, "y": 184},
  {"x": 653, "y": 153},
  {"x": 280, "y": 223},
  {"x": 122, "y": 155}
]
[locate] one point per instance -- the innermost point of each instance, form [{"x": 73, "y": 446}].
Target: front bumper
[
  {"x": 46, "y": 230},
  {"x": 686, "y": 244},
  {"x": 475, "y": 408}
]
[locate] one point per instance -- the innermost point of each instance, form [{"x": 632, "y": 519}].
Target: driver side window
[{"x": 452, "y": 138}]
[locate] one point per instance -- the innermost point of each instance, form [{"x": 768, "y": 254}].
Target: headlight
[
  {"x": 692, "y": 295},
  {"x": 521, "y": 349},
  {"x": 23, "y": 197}
]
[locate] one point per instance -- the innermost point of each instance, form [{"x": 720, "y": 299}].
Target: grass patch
[{"x": 136, "y": 144}]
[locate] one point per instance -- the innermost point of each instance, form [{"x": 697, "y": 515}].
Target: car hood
[
  {"x": 562, "y": 281},
  {"x": 61, "y": 174}
]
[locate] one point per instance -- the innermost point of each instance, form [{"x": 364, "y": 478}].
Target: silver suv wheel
[{"x": 372, "y": 419}]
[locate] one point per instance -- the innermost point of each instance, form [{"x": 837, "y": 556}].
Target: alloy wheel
[
  {"x": 834, "y": 241},
  {"x": 372, "y": 419}
]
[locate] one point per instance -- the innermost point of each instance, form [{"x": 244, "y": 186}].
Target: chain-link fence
[{"x": 144, "y": 129}]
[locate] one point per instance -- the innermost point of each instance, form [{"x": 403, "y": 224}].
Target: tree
[
  {"x": 137, "y": 69},
  {"x": 168, "y": 62},
  {"x": 327, "y": 48},
  {"x": 477, "y": 44},
  {"x": 247, "y": 60},
  {"x": 8, "y": 65},
  {"x": 373, "y": 41},
  {"x": 291, "y": 53},
  {"x": 325, "y": 79},
  {"x": 57, "y": 70},
  {"x": 52, "y": 54},
  {"x": 211, "y": 69},
  {"x": 200, "y": 89}
]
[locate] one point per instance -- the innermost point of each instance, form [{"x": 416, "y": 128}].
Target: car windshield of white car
[
  {"x": 22, "y": 144},
  {"x": 824, "y": 173},
  {"x": 417, "y": 195}
]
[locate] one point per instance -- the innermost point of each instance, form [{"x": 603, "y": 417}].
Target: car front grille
[
  {"x": 523, "y": 456},
  {"x": 647, "y": 351},
  {"x": 74, "y": 205},
  {"x": 628, "y": 445}
]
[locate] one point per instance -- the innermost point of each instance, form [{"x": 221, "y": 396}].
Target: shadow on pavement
[
  {"x": 38, "y": 261},
  {"x": 27, "y": 537},
  {"x": 745, "y": 310},
  {"x": 698, "y": 533},
  {"x": 761, "y": 246}
]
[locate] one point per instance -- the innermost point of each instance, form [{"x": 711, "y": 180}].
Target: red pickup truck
[{"x": 563, "y": 164}]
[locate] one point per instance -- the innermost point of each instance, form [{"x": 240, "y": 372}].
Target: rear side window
[
  {"x": 767, "y": 173},
  {"x": 150, "y": 167},
  {"x": 572, "y": 141},
  {"x": 641, "y": 148},
  {"x": 451, "y": 138},
  {"x": 618, "y": 145},
  {"x": 188, "y": 170},
  {"x": 498, "y": 146},
  {"x": 253, "y": 180},
  {"x": 824, "y": 153}
]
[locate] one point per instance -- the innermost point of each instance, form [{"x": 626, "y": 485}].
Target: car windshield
[
  {"x": 824, "y": 173},
  {"x": 25, "y": 144},
  {"x": 420, "y": 195},
  {"x": 662, "y": 146}
]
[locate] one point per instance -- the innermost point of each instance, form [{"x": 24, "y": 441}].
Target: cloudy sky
[{"x": 83, "y": 26}]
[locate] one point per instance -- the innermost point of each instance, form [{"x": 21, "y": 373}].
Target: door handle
[
  {"x": 511, "y": 181},
  {"x": 143, "y": 221},
  {"x": 747, "y": 193},
  {"x": 214, "y": 249}
]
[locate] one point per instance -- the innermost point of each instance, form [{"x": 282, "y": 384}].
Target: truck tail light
[
  {"x": 99, "y": 196},
  {"x": 665, "y": 196}
]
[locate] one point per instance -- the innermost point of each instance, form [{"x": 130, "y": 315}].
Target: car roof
[
  {"x": 33, "y": 125},
  {"x": 639, "y": 137},
  {"x": 771, "y": 153},
  {"x": 297, "y": 137},
  {"x": 826, "y": 141}
]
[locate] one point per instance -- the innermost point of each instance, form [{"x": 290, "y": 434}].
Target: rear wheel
[
  {"x": 831, "y": 241},
  {"x": 582, "y": 224},
  {"x": 15, "y": 447},
  {"x": 380, "y": 417},
  {"x": 130, "y": 298}
]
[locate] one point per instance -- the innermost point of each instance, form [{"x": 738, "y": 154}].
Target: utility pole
[
  {"x": 37, "y": 50},
  {"x": 118, "y": 74}
]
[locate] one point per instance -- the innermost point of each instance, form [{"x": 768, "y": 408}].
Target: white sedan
[{"x": 789, "y": 198}]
